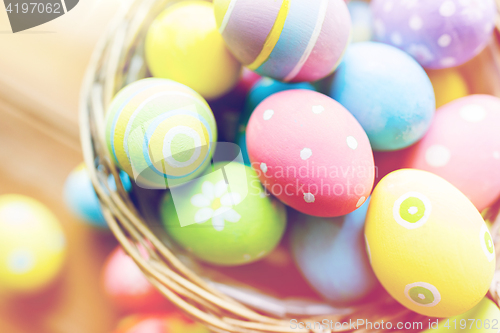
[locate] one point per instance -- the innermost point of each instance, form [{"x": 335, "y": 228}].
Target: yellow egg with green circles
[
  {"x": 32, "y": 245},
  {"x": 428, "y": 245},
  {"x": 449, "y": 85},
  {"x": 184, "y": 44}
]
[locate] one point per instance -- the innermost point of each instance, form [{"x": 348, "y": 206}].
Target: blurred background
[{"x": 41, "y": 71}]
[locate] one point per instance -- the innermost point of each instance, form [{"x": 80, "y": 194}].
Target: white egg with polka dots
[{"x": 437, "y": 33}]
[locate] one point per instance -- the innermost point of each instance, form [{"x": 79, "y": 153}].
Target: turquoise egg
[
  {"x": 261, "y": 90},
  {"x": 81, "y": 198},
  {"x": 387, "y": 91},
  {"x": 331, "y": 254}
]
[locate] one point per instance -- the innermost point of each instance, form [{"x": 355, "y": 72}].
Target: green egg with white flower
[{"x": 224, "y": 217}]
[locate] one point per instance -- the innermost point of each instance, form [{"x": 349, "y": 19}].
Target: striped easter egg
[
  {"x": 159, "y": 132},
  {"x": 288, "y": 40}
]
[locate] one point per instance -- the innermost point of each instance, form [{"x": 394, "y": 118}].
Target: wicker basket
[{"x": 118, "y": 60}]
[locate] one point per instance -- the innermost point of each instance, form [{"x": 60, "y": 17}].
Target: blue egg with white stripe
[
  {"x": 81, "y": 198},
  {"x": 331, "y": 255},
  {"x": 387, "y": 91},
  {"x": 261, "y": 90}
]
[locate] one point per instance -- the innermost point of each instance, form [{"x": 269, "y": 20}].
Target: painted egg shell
[
  {"x": 332, "y": 257},
  {"x": 311, "y": 153},
  {"x": 388, "y": 92},
  {"x": 159, "y": 132},
  {"x": 183, "y": 44},
  {"x": 463, "y": 147},
  {"x": 32, "y": 245},
  {"x": 81, "y": 198},
  {"x": 225, "y": 223},
  {"x": 159, "y": 323},
  {"x": 127, "y": 287},
  {"x": 428, "y": 244},
  {"x": 288, "y": 40},
  {"x": 439, "y": 33},
  {"x": 362, "y": 21},
  {"x": 262, "y": 89},
  {"x": 449, "y": 85},
  {"x": 484, "y": 317},
  {"x": 277, "y": 264},
  {"x": 247, "y": 80}
]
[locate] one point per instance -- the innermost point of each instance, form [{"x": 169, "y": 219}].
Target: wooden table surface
[{"x": 41, "y": 71}]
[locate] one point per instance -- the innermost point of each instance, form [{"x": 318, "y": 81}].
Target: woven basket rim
[{"x": 109, "y": 69}]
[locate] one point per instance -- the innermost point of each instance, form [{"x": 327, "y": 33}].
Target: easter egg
[
  {"x": 224, "y": 217},
  {"x": 362, "y": 20},
  {"x": 262, "y": 89},
  {"x": 159, "y": 323},
  {"x": 81, "y": 198},
  {"x": 388, "y": 92},
  {"x": 183, "y": 44},
  {"x": 160, "y": 132},
  {"x": 449, "y": 85},
  {"x": 330, "y": 252},
  {"x": 247, "y": 80},
  {"x": 484, "y": 317},
  {"x": 32, "y": 245},
  {"x": 438, "y": 34},
  {"x": 428, "y": 244},
  {"x": 288, "y": 40},
  {"x": 311, "y": 153},
  {"x": 463, "y": 147},
  {"x": 125, "y": 285}
]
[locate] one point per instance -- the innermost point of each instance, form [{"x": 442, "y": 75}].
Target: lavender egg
[{"x": 437, "y": 33}]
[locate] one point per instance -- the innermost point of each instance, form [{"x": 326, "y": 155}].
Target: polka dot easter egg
[
  {"x": 262, "y": 89},
  {"x": 32, "y": 245},
  {"x": 311, "y": 153},
  {"x": 388, "y": 92},
  {"x": 484, "y": 317},
  {"x": 288, "y": 40},
  {"x": 126, "y": 286},
  {"x": 463, "y": 147},
  {"x": 428, "y": 244},
  {"x": 183, "y": 44},
  {"x": 81, "y": 198},
  {"x": 224, "y": 217},
  {"x": 331, "y": 255},
  {"x": 449, "y": 85},
  {"x": 160, "y": 132},
  {"x": 438, "y": 33}
]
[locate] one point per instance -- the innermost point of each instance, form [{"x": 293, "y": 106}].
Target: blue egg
[
  {"x": 362, "y": 21},
  {"x": 331, "y": 254},
  {"x": 81, "y": 198},
  {"x": 387, "y": 91},
  {"x": 261, "y": 90}
]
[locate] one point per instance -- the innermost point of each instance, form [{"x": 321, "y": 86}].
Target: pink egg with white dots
[
  {"x": 311, "y": 153},
  {"x": 463, "y": 147},
  {"x": 437, "y": 33}
]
